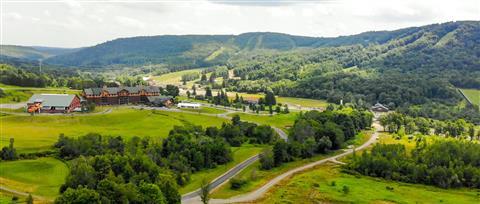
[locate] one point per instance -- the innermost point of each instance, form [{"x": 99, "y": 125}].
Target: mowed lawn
[
  {"x": 473, "y": 95},
  {"x": 315, "y": 186},
  {"x": 42, "y": 177},
  {"x": 33, "y": 133},
  {"x": 240, "y": 154}
]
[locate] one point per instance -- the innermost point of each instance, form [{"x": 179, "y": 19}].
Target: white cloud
[
  {"x": 84, "y": 23},
  {"x": 130, "y": 22},
  {"x": 13, "y": 16}
]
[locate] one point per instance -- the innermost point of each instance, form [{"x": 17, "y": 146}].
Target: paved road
[
  {"x": 12, "y": 105},
  {"x": 257, "y": 194},
  {"x": 20, "y": 193},
  {"x": 222, "y": 179}
]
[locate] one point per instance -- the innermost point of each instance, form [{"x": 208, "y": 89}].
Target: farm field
[
  {"x": 16, "y": 94},
  {"x": 45, "y": 181},
  {"x": 40, "y": 132},
  {"x": 473, "y": 95},
  {"x": 239, "y": 154},
  {"x": 315, "y": 186}
]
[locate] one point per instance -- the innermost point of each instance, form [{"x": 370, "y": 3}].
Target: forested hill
[{"x": 205, "y": 50}]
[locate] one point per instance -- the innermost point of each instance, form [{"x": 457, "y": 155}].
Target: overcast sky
[{"x": 79, "y": 23}]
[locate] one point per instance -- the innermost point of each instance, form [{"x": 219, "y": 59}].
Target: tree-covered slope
[{"x": 197, "y": 50}]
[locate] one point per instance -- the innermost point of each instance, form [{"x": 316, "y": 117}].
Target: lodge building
[{"x": 120, "y": 95}]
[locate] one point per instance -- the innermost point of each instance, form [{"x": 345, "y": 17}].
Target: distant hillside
[
  {"x": 32, "y": 52},
  {"x": 188, "y": 51},
  {"x": 204, "y": 50}
]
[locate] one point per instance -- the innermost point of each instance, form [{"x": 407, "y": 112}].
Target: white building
[{"x": 188, "y": 105}]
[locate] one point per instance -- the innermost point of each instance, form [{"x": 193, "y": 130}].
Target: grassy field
[
  {"x": 239, "y": 154},
  {"x": 48, "y": 175},
  {"x": 315, "y": 186},
  {"x": 40, "y": 132},
  {"x": 175, "y": 77},
  {"x": 282, "y": 121},
  {"x": 16, "y": 94},
  {"x": 204, "y": 109},
  {"x": 473, "y": 95}
]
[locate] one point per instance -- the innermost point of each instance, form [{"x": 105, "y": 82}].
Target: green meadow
[
  {"x": 33, "y": 133},
  {"x": 175, "y": 77},
  {"x": 473, "y": 95},
  {"x": 315, "y": 186},
  {"x": 42, "y": 177}
]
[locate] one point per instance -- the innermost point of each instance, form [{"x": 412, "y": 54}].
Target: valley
[{"x": 258, "y": 117}]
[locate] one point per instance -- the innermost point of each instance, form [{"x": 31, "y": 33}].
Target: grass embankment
[
  {"x": 473, "y": 95},
  {"x": 315, "y": 186},
  {"x": 256, "y": 177},
  {"x": 240, "y": 154},
  {"x": 42, "y": 177},
  {"x": 204, "y": 109},
  {"x": 33, "y": 133},
  {"x": 17, "y": 94}
]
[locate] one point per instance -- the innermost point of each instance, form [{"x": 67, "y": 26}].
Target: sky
[{"x": 69, "y": 23}]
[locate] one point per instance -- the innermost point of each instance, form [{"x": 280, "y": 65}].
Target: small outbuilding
[
  {"x": 53, "y": 103},
  {"x": 160, "y": 101},
  {"x": 378, "y": 107},
  {"x": 188, "y": 105}
]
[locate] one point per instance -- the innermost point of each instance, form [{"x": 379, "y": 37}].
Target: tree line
[
  {"x": 402, "y": 124},
  {"x": 444, "y": 163},
  {"x": 317, "y": 132}
]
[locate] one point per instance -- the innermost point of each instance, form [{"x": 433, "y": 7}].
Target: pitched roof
[
  {"x": 52, "y": 99},
  {"x": 379, "y": 105},
  {"x": 115, "y": 90}
]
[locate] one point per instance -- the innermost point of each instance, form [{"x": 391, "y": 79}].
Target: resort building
[{"x": 120, "y": 95}]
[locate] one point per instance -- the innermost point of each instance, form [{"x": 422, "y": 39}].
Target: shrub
[{"x": 237, "y": 183}]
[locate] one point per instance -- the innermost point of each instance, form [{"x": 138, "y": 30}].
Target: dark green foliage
[
  {"x": 318, "y": 132},
  {"x": 444, "y": 163},
  {"x": 172, "y": 90},
  {"x": 394, "y": 122},
  {"x": 237, "y": 183},
  {"x": 9, "y": 153},
  {"x": 80, "y": 195},
  {"x": 266, "y": 160}
]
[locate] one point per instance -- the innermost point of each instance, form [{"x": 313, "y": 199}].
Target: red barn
[{"x": 53, "y": 103}]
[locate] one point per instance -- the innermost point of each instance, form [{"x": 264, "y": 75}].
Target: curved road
[{"x": 257, "y": 194}]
